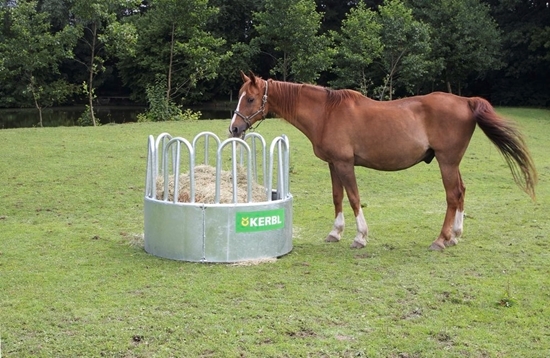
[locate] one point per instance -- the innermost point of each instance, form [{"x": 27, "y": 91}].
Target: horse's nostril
[{"x": 235, "y": 129}]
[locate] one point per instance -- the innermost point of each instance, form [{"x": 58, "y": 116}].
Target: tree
[
  {"x": 405, "y": 55},
  {"x": 335, "y": 11},
  {"x": 192, "y": 50},
  {"x": 464, "y": 36},
  {"x": 173, "y": 49},
  {"x": 31, "y": 55},
  {"x": 97, "y": 21},
  {"x": 233, "y": 23},
  {"x": 288, "y": 31},
  {"x": 358, "y": 43},
  {"x": 525, "y": 29}
]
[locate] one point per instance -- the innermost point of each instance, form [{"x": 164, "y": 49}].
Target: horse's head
[{"x": 252, "y": 105}]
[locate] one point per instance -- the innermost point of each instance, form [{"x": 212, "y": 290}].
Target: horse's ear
[
  {"x": 252, "y": 77},
  {"x": 244, "y": 77}
]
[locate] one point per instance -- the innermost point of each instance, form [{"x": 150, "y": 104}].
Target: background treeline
[{"x": 170, "y": 52}]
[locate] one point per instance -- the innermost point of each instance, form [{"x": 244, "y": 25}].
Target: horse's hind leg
[
  {"x": 453, "y": 223},
  {"x": 337, "y": 197}
]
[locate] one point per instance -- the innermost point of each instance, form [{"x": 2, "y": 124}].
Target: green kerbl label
[{"x": 251, "y": 221}]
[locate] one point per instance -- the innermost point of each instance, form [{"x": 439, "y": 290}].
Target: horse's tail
[{"x": 508, "y": 139}]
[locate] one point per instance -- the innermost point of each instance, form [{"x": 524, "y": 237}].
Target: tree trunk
[
  {"x": 285, "y": 64},
  {"x": 381, "y": 97},
  {"x": 91, "y": 74},
  {"x": 364, "y": 83},
  {"x": 449, "y": 89},
  {"x": 391, "y": 87},
  {"x": 36, "y": 104},
  {"x": 39, "y": 108},
  {"x": 40, "y": 115},
  {"x": 169, "y": 80},
  {"x": 448, "y": 81}
]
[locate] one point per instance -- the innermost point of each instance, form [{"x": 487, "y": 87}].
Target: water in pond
[{"x": 68, "y": 116}]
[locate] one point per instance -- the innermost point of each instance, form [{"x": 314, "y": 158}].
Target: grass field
[{"x": 74, "y": 283}]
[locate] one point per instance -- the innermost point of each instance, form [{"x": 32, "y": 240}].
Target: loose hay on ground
[
  {"x": 205, "y": 187},
  {"x": 255, "y": 262},
  {"x": 135, "y": 240}
]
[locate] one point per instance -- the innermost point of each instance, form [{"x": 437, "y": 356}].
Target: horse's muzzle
[{"x": 237, "y": 131}]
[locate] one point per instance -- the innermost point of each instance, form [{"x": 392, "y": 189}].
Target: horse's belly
[{"x": 391, "y": 160}]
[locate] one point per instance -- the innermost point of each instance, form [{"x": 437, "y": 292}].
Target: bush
[
  {"x": 162, "y": 109},
  {"x": 85, "y": 119}
]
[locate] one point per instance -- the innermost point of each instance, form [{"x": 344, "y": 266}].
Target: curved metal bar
[
  {"x": 253, "y": 137},
  {"x": 150, "y": 176},
  {"x": 233, "y": 142},
  {"x": 269, "y": 187},
  {"x": 176, "y": 168},
  {"x": 162, "y": 138},
  {"x": 282, "y": 145},
  {"x": 286, "y": 160},
  {"x": 207, "y": 135}
]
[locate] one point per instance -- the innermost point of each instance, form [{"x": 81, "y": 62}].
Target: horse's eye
[{"x": 250, "y": 99}]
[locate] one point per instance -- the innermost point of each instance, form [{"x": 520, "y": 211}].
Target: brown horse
[{"x": 348, "y": 129}]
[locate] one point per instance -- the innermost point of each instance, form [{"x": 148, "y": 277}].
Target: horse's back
[
  {"x": 446, "y": 106},
  {"x": 439, "y": 113}
]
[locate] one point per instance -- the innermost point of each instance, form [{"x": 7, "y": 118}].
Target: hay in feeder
[{"x": 205, "y": 187}]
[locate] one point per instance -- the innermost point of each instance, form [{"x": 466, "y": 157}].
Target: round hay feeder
[{"x": 240, "y": 209}]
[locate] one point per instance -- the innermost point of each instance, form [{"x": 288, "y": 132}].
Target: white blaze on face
[{"x": 237, "y": 110}]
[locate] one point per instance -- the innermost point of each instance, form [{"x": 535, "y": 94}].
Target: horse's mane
[
  {"x": 289, "y": 93},
  {"x": 336, "y": 97}
]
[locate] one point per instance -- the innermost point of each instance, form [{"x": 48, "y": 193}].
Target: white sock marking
[
  {"x": 361, "y": 223},
  {"x": 362, "y": 230},
  {"x": 338, "y": 227},
  {"x": 339, "y": 222},
  {"x": 459, "y": 223}
]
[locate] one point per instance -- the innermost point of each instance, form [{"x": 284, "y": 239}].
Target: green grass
[{"x": 73, "y": 284}]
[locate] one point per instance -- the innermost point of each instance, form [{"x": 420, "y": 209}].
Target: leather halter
[{"x": 261, "y": 110}]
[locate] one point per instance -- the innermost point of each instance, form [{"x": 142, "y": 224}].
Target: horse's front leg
[
  {"x": 346, "y": 174},
  {"x": 337, "y": 196}
]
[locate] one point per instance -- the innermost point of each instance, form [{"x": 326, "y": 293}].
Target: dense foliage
[{"x": 56, "y": 52}]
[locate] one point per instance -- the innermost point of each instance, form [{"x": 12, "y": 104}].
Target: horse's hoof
[
  {"x": 332, "y": 238},
  {"x": 436, "y": 247},
  {"x": 358, "y": 244},
  {"x": 451, "y": 242}
]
